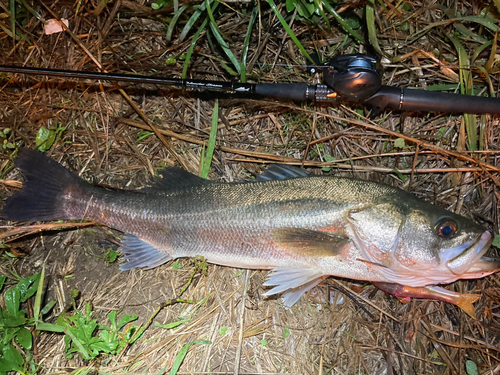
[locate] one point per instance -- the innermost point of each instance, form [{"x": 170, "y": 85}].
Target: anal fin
[{"x": 140, "y": 254}]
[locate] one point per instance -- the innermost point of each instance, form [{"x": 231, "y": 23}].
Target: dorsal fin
[
  {"x": 282, "y": 172},
  {"x": 175, "y": 179}
]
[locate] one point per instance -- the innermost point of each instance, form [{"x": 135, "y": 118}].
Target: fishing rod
[{"x": 347, "y": 79}]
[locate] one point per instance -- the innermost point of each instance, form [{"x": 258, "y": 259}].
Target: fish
[{"x": 300, "y": 226}]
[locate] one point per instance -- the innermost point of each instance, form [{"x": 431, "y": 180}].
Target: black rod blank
[{"x": 295, "y": 91}]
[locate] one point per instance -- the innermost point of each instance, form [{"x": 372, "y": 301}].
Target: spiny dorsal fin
[
  {"x": 282, "y": 172},
  {"x": 175, "y": 179},
  {"x": 311, "y": 243}
]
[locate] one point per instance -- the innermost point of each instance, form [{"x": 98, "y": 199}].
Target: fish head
[{"x": 416, "y": 243}]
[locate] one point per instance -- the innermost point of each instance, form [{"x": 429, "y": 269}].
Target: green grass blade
[
  {"x": 322, "y": 13},
  {"x": 466, "y": 89},
  {"x": 210, "y": 13},
  {"x": 497, "y": 4},
  {"x": 173, "y": 22},
  {"x": 192, "y": 21},
  {"x": 48, "y": 327},
  {"x": 246, "y": 43},
  {"x": 491, "y": 89},
  {"x": 78, "y": 343},
  {"x": 463, "y": 63},
  {"x": 191, "y": 47},
  {"x": 481, "y": 48},
  {"x": 289, "y": 30},
  {"x": 12, "y": 10},
  {"x": 207, "y": 160},
  {"x": 224, "y": 47},
  {"x": 37, "y": 15},
  {"x": 372, "y": 29},
  {"x": 38, "y": 298},
  {"x": 218, "y": 35},
  {"x": 342, "y": 22},
  {"x": 487, "y": 21},
  {"x": 182, "y": 354}
]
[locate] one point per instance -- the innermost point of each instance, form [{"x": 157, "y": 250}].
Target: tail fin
[{"x": 47, "y": 183}]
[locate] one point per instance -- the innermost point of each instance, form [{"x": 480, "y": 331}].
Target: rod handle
[
  {"x": 294, "y": 91},
  {"x": 430, "y": 101}
]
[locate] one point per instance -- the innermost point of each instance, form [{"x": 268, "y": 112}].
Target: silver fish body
[{"x": 303, "y": 227}]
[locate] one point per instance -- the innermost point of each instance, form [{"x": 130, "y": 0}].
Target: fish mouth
[{"x": 469, "y": 254}]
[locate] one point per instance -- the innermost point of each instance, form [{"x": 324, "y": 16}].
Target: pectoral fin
[
  {"x": 310, "y": 243},
  {"x": 293, "y": 282}
]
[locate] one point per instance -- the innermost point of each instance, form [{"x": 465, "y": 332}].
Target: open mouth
[{"x": 469, "y": 253}]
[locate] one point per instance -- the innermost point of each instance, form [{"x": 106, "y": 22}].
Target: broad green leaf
[
  {"x": 471, "y": 367},
  {"x": 399, "y": 143},
  {"x": 126, "y": 319},
  {"x": 13, "y": 321},
  {"x": 85, "y": 353},
  {"x": 45, "y": 138},
  {"x": 28, "y": 286},
  {"x": 12, "y": 360},
  {"x": 12, "y": 300},
  {"x": 496, "y": 241},
  {"x": 112, "y": 319},
  {"x": 24, "y": 338}
]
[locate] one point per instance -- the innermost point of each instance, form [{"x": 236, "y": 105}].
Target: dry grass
[{"x": 325, "y": 332}]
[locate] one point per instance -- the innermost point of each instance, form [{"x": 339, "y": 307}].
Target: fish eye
[{"x": 446, "y": 228}]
